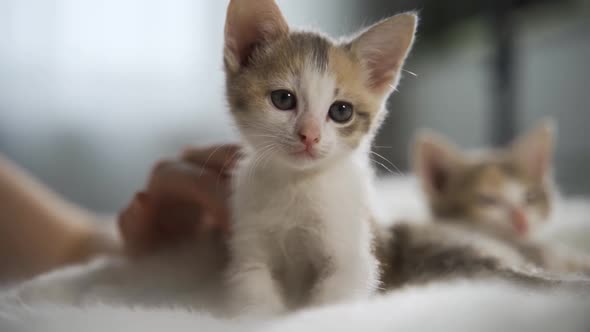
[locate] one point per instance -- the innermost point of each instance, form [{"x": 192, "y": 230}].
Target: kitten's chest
[{"x": 283, "y": 204}]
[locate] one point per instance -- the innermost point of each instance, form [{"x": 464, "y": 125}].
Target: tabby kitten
[
  {"x": 486, "y": 208},
  {"x": 505, "y": 193},
  {"x": 307, "y": 108}
]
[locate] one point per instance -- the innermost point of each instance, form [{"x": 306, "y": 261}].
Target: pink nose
[
  {"x": 520, "y": 222},
  {"x": 309, "y": 136}
]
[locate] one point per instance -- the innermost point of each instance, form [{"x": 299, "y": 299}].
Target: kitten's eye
[
  {"x": 283, "y": 100},
  {"x": 532, "y": 197},
  {"x": 487, "y": 200},
  {"x": 340, "y": 111}
]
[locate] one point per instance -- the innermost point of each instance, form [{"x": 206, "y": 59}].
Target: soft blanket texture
[
  {"x": 459, "y": 306},
  {"x": 113, "y": 295}
]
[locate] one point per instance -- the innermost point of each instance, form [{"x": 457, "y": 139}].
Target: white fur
[
  {"x": 458, "y": 306},
  {"x": 514, "y": 193},
  {"x": 301, "y": 224},
  {"x": 301, "y": 232}
]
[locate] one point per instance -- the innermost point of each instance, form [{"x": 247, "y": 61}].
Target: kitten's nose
[
  {"x": 309, "y": 136},
  {"x": 520, "y": 222}
]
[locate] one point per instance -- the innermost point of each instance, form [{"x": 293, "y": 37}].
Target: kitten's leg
[
  {"x": 346, "y": 278},
  {"x": 253, "y": 290}
]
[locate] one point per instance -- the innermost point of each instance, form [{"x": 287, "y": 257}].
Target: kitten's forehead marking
[
  {"x": 513, "y": 192},
  {"x": 319, "y": 51},
  {"x": 488, "y": 177},
  {"x": 318, "y": 88},
  {"x": 310, "y": 49}
]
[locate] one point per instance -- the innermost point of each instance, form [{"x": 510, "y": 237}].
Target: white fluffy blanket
[
  {"x": 452, "y": 307},
  {"x": 110, "y": 295}
]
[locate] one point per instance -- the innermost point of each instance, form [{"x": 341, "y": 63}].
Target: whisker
[
  {"x": 223, "y": 167},
  {"x": 276, "y": 138},
  {"x": 389, "y": 162},
  {"x": 382, "y": 165},
  {"x": 411, "y": 73},
  {"x": 259, "y": 155},
  {"x": 209, "y": 158},
  {"x": 270, "y": 152}
]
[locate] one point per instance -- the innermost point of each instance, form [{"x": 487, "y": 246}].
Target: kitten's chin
[
  {"x": 300, "y": 162},
  {"x": 303, "y": 161}
]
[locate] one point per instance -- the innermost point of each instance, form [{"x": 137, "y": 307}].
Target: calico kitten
[
  {"x": 486, "y": 208},
  {"x": 307, "y": 108}
]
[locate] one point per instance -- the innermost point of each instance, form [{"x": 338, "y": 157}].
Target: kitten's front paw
[
  {"x": 334, "y": 291},
  {"x": 329, "y": 294},
  {"x": 255, "y": 305},
  {"x": 254, "y": 292},
  {"x": 260, "y": 310},
  {"x": 347, "y": 284}
]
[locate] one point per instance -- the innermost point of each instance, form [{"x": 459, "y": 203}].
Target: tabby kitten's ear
[
  {"x": 435, "y": 161},
  {"x": 534, "y": 150},
  {"x": 383, "y": 48},
  {"x": 250, "y": 23}
]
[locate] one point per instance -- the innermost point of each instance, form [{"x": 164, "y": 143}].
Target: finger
[
  {"x": 169, "y": 174},
  {"x": 127, "y": 217},
  {"x": 184, "y": 182},
  {"x": 221, "y": 158},
  {"x": 212, "y": 224},
  {"x": 182, "y": 179},
  {"x": 135, "y": 224},
  {"x": 177, "y": 216}
]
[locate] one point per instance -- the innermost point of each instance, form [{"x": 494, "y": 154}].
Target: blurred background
[{"x": 92, "y": 92}]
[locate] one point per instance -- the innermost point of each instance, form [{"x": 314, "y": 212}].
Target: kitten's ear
[
  {"x": 250, "y": 23},
  {"x": 435, "y": 161},
  {"x": 383, "y": 48},
  {"x": 534, "y": 150}
]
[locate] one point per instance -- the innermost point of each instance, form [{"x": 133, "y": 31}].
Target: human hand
[{"x": 185, "y": 198}]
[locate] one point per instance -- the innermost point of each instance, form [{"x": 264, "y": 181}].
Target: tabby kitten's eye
[
  {"x": 283, "y": 100},
  {"x": 341, "y": 112},
  {"x": 532, "y": 197},
  {"x": 487, "y": 200}
]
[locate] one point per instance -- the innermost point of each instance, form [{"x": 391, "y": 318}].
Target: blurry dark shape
[
  {"x": 503, "y": 112},
  {"x": 437, "y": 16}
]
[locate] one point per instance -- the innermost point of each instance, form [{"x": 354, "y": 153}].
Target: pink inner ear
[
  {"x": 533, "y": 157},
  {"x": 437, "y": 176},
  {"x": 538, "y": 163},
  {"x": 384, "y": 62},
  {"x": 432, "y": 169},
  {"x": 244, "y": 51},
  {"x": 384, "y": 48},
  {"x": 241, "y": 37},
  {"x": 382, "y": 74},
  {"x": 250, "y": 23},
  {"x": 534, "y": 150}
]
